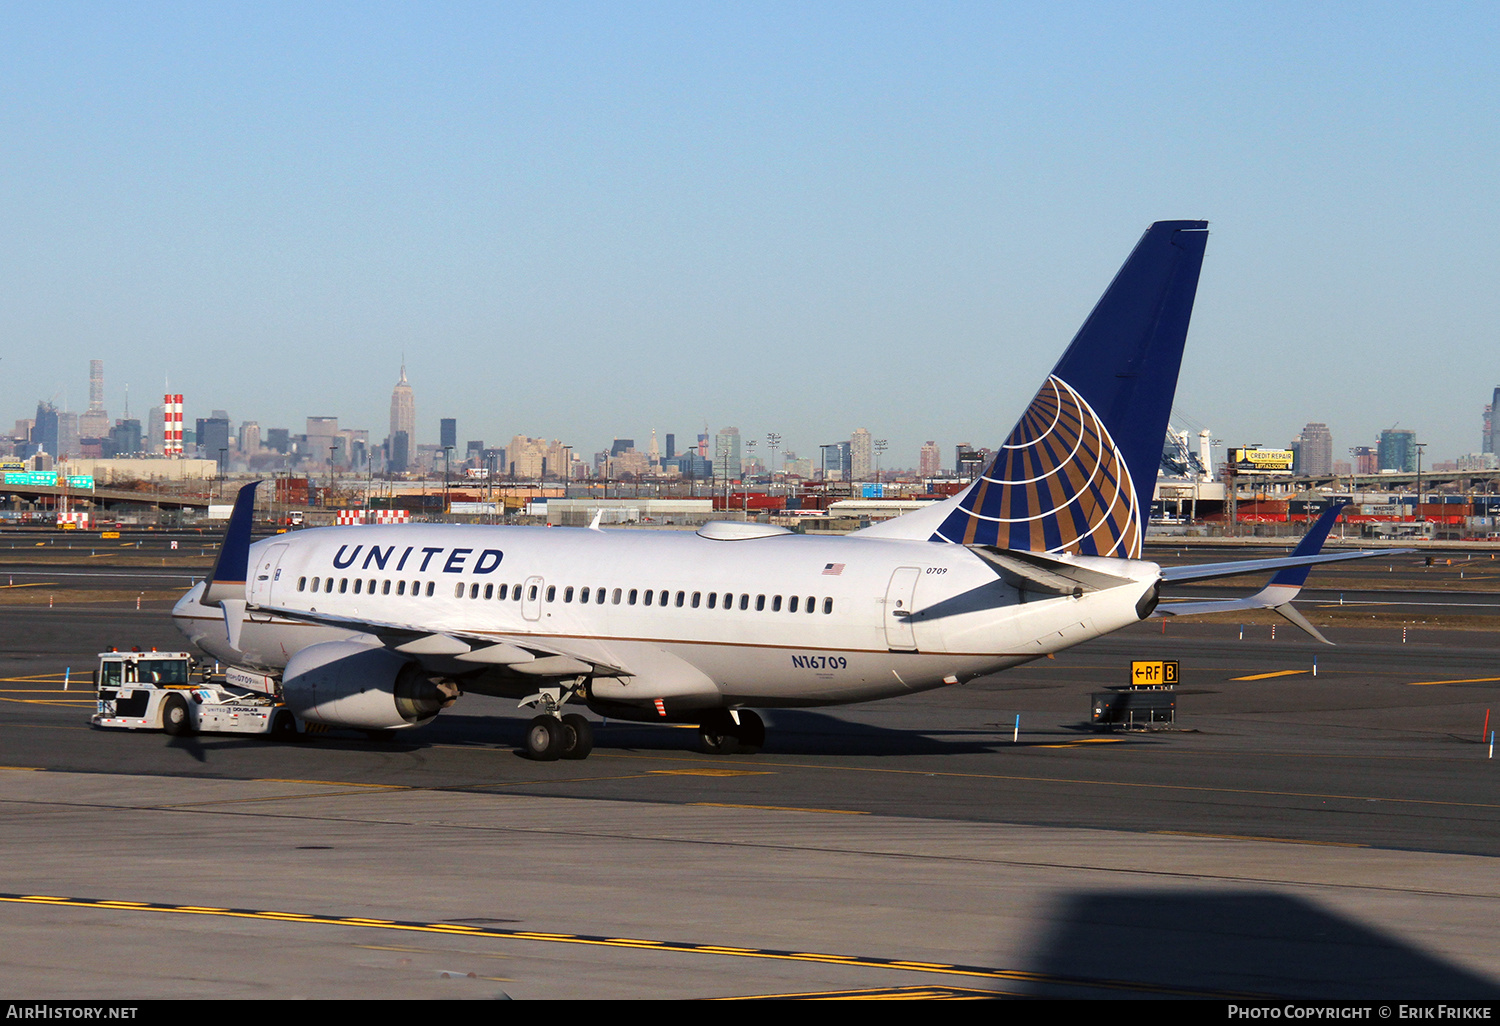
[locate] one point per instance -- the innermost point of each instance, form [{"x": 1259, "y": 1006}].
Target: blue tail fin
[
  {"x": 1077, "y": 472},
  {"x": 232, "y": 568}
]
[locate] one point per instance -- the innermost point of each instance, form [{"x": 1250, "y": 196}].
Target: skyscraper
[
  {"x": 323, "y": 443},
  {"x": 44, "y": 430},
  {"x": 403, "y": 422},
  {"x": 94, "y": 422},
  {"x": 931, "y": 464},
  {"x": 1316, "y": 448},
  {"x": 1398, "y": 450},
  {"x": 727, "y": 465},
  {"x": 861, "y": 455}
]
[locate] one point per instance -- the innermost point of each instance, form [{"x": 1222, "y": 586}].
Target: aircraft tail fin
[
  {"x": 232, "y": 569},
  {"x": 1077, "y": 472}
]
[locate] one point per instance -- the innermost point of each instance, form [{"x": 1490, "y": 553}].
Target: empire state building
[{"x": 403, "y": 425}]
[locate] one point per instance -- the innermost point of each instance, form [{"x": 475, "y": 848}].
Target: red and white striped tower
[{"x": 171, "y": 416}]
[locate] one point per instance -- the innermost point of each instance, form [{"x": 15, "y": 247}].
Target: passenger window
[
  {"x": 812, "y": 604},
  {"x": 532, "y": 593},
  {"x": 633, "y": 594},
  {"x": 302, "y": 584},
  {"x": 504, "y": 588},
  {"x": 791, "y": 604},
  {"x": 567, "y": 594},
  {"x": 760, "y": 603},
  {"x": 680, "y": 596},
  {"x": 400, "y": 587},
  {"x": 713, "y": 599},
  {"x": 617, "y": 596},
  {"x": 583, "y": 596},
  {"x": 429, "y": 589},
  {"x": 357, "y": 583},
  {"x": 776, "y": 604},
  {"x": 599, "y": 596},
  {"x": 551, "y": 592},
  {"x": 489, "y": 591},
  {"x": 343, "y": 585},
  {"x": 696, "y": 596},
  {"x": 458, "y": 590},
  {"x": 745, "y": 601},
  {"x": 828, "y": 605},
  {"x": 646, "y": 599},
  {"x": 385, "y": 587}
]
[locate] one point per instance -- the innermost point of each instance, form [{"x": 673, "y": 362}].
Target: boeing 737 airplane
[{"x": 380, "y": 627}]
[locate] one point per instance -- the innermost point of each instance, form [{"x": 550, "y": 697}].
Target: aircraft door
[
  {"x": 531, "y": 598},
  {"x": 900, "y": 600},
  {"x": 265, "y": 575}
]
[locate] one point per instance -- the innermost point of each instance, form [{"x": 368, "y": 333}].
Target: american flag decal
[{"x": 833, "y": 569}]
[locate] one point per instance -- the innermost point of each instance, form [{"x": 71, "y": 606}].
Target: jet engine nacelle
[{"x": 361, "y": 685}]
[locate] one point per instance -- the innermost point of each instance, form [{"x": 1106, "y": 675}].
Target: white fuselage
[{"x": 784, "y": 620}]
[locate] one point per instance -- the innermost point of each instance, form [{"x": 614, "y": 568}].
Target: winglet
[
  {"x": 1276, "y": 596},
  {"x": 1310, "y": 545},
  {"x": 233, "y": 566}
]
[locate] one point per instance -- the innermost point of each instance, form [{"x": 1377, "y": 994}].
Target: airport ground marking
[
  {"x": 777, "y": 808},
  {"x": 1255, "y": 837},
  {"x": 675, "y": 947},
  {"x": 51, "y": 701},
  {"x": 713, "y": 771},
  {"x": 1267, "y": 676},
  {"x": 921, "y": 992},
  {"x": 283, "y": 797},
  {"x": 1468, "y": 680}
]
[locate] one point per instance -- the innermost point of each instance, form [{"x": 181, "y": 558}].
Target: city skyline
[
  {"x": 1315, "y": 440},
  {"x": 800, "y": 220}
]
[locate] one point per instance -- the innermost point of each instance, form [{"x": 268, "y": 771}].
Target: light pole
[
  {"x": 774, "y": 441},
  {"x": 447, "y": 456},
  {"x": 880, "y": 447},
  {"x": 1419, "y": 446}
]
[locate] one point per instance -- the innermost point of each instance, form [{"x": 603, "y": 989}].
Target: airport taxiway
[{"x": 1298, "y": 835}]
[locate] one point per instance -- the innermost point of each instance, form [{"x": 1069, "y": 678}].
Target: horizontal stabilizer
[
  {"x": 1277, "y": 596},
  {"x": 1031, "y": 571}
]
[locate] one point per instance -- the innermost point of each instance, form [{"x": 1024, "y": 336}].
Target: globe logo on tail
[{"x": 1058, "y": 484}]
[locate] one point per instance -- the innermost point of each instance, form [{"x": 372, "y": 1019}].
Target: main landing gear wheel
[
  {"x": 284, "y": 726},
  {"x": 580, "y": 734},
  {"x": 547, "y": 738},
  {"x": 720, "y": 735},
  {"x": 175, "y": 719}
]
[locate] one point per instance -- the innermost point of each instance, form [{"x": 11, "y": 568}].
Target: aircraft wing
[
  {"x": 1277, "y": 596},
  {"x": 519, "y": 654}
]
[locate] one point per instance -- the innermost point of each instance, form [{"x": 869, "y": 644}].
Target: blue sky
[{"x": 589, "y": 220}]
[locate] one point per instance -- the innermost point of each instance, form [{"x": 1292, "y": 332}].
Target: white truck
[{"x": 155, "y": 691}]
